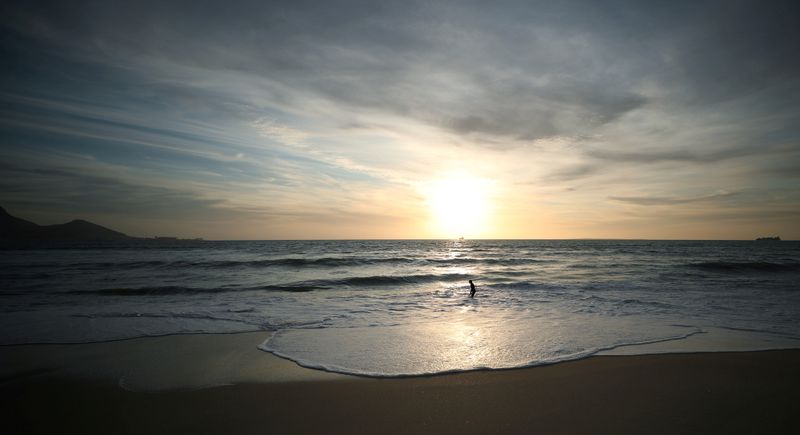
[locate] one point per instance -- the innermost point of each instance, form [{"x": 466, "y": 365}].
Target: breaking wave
[
  {"x": 302, "y": 286},
  {"x": 324, "y": 262},
  {"x": 746, "y": 266}
]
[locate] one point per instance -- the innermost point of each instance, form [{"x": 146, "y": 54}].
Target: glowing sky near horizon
[{"x": 515, "y": 119}]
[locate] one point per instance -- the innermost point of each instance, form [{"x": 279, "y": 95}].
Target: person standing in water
[{"x": 471, "y": 289}]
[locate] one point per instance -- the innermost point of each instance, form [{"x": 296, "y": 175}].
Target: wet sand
[
  {"x": 733, "y": 392},
  {"x": 174, "y": 362}
]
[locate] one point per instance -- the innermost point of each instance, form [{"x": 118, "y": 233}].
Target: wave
[
  {"x": 745, "y": 266},
  {"x": 162, "y": 290},
  {"x": 627, "y": 302},
  {"x": 292, "y": 262},
  {"x": 380, "y": 280},
  {"x": 356, "y": 364},
  {"x": 178, "y": 290},
  {"x": 165, "y": 315},
  {"x": 301, "y": 286},
  {"x": 301, "y": 262},
  {"x": 492, "y": 261}
]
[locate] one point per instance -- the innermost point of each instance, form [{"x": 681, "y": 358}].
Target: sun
[{"x": 459, "y": 205}]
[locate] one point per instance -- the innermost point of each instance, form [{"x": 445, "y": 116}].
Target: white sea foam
[{"x": 469, "y": 341}]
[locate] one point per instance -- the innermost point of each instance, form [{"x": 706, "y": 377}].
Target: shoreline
[
  {"x": 191, "y": 361},
  {"x": 163, "y": 363}
]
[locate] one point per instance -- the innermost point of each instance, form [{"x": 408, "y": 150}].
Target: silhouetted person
[{"x": 471, "y": 289}]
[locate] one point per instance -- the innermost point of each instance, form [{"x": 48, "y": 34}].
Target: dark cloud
[
  {"x": 571, "y": 173},
  {"x": 651, "y": 156},
  {"x": 399, "y": 58},
  {"x": 561, "y": 109},
  {"x": 663, "y": 200},
  {"x": 693, "y": 156},
  {"x": 514, "y": 70},
  {"x": 729, "y": 49},
  {"x": 66, "y": 190}
]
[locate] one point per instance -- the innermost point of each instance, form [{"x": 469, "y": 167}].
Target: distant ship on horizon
[{"x": 769, "y": 239}]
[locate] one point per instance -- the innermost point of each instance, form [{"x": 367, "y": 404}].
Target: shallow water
[{"x": 402, "y": 307}]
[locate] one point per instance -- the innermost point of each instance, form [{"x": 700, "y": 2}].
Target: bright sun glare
[{"x": 459, "y": 206}]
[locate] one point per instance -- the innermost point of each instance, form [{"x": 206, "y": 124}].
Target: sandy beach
[{"x": 214, "y": 384}]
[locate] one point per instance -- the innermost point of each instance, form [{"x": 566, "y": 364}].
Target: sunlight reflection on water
[{"x": 469, "y": 340}]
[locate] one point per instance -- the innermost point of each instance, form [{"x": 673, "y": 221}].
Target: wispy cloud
[
  {"x": 282, "y": 112},
  {"x": 280, "y": 132},
  {"x": 671, "y": 200}
]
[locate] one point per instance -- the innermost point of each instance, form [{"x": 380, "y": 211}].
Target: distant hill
[{"x": 15, "y": 229}]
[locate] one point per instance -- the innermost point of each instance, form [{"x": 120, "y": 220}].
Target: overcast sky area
[{"x": 260, "y": 120}]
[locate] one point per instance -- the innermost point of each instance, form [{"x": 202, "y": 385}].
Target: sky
[{"x": 343, "y": 120}]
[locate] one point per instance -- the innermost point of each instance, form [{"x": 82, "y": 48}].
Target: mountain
[{"x": 15, "y": 229}]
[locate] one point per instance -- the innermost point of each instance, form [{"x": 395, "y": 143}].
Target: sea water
[{"x": 392, "y": 308}]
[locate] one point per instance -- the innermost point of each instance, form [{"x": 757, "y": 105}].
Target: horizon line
[{"x": 466, "y": 239}]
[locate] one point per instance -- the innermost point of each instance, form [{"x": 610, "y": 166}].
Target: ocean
[{"x": 402, "y": 307}]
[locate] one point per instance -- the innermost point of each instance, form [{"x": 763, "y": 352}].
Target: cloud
[
  {"x": 255, "y": 107},
  {"x": 279, "y": 132},
  {"x": 95, "y": 193},
  {"x": 687, "y": 156},
  {"x": 576, "y": 172},
  {"x": 748, "y": 47},
  {"x": 515, "y": 72},
  {"x": 672, "y": 200},
  {"x": 394, "y": 65}
]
